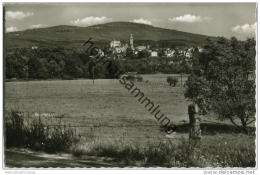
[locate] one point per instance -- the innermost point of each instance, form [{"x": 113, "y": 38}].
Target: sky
[{"x": 212, "y": 19}]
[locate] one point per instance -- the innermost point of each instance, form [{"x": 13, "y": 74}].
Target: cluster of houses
[{"x": 119, "y": 47}]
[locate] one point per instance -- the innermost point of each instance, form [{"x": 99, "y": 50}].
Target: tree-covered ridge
[
  {"x": 73, "y": 36},
  {"x": 63, "y": 63}
]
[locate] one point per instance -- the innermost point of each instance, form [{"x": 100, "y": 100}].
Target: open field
[
  {"x": 105, "y": 109},
  {"x": 106, "y": 114}
]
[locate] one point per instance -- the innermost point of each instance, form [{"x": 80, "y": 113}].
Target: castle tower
[{"x": 131, "y": 42}]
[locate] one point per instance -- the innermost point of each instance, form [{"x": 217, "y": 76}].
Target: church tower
[{"x": 131, "y": 42}]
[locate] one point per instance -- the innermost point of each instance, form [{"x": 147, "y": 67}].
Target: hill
[{"x": 73, "y": 36}]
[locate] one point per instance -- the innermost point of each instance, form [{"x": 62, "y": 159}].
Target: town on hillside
[{"x": 121, "y": 49}]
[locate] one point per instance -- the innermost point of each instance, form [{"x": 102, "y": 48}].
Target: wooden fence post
[{"x": 195, "y": 131}]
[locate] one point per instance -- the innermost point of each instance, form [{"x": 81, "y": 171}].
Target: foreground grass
[
  {"x": 220, "y": 150},
  {"x": 34, "y": 134},
  {"x": 223, "y": 150}
]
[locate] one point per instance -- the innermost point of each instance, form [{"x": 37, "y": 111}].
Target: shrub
[
  {"x": 14, "y": 129},
  {"x": 36, "y": 135},
  {"x": 67, "y": 77},
  {"x": 172, "y": 81},
  {"x": 60, "y": 138},
  {"x": 139, "y": 78},
  {"x": 130, "y": 78}
]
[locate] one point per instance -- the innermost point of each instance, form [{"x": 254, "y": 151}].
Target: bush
[
  {"x": 172, "y": 81},
  {"x": 130, "y": 78},
  {"x": 67, "y": 77},
  {"x": 139, "y": 78},
  {"x": 14, "y": 129},
  {"x": 36, "y": 135},
  {"x": 60, "y": 138}
]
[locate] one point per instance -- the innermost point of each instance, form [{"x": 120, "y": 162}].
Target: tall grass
[
  {"x": 15, "y": 131},
  {"x": 222, "y": 150},
  {"x": 169, "y": 154},
  {"x": 34, "y": 134}
]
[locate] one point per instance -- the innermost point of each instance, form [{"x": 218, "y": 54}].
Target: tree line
[
  {"x": 61, "y": 63},
  {"x": 56, "y": 63}
]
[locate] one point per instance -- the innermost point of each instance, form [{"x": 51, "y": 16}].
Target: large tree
[{"x": 222, "y": 80}]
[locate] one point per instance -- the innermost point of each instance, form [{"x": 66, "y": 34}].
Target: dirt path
[{"x": 25, "y": 158}]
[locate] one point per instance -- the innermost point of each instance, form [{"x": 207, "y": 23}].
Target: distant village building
[
  {"x": 131, "y": 42},
  {"x": 154, "y": 54},
  {"x": 34, "y": 47},
  {"x": 188, "y": 54},
  {"x": 121, "y": 49},
  {"x": 114, "y": 44},
  {"x": 141, "y": 48},
  {"x": 169, "y": 53},
  {"x": 101, "y": 53},
  {"x": 180, "y": 52},
  {"x": 191, "y": 49},
  {"x": 200, "y": 49}
]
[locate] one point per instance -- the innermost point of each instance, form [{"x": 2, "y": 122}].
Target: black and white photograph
[{"x": 147, "y": 85}]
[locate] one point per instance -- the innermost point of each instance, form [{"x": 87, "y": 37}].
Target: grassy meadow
[
  {"x": 109, "y": 121},
  {"x": 105, "y": 109}
]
